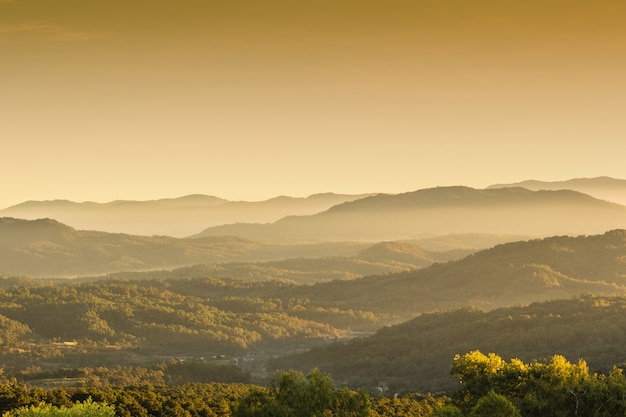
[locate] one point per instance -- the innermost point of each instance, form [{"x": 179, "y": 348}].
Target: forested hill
[
  {"x": 511, "y": 273},
  {"x": 445, "y": 210},
  {"x": 47, "y": 248},
  {"x": 380, "y": 258},
  {"x": 417, "y": 355},
  {"x": 201, "y": 314}
]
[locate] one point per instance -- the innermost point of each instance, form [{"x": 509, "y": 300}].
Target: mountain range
[
  {"x": 441, "y": 211},
  {"x": 515, "y": 273},
  {"x": 410, "y": 215},
  {"x": 604, "y": 188},
  {"x": 171, "y": 216},
  {"x": 507, "y": 274},
  {"x": 47, "y": 248}
]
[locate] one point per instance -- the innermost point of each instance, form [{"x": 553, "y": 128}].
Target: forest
[
  {"x": 488, "y": 386},
  {"x": 401, "y": 341}
]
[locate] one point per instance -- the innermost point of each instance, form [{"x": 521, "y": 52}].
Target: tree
[
  {"x": 294, "y": 394},
  {"x": 448, "y": 411},
  {"x": 87, "y": 408},
  {"x": 476, "y": 373},
  {"x": 494, "y": 405}
]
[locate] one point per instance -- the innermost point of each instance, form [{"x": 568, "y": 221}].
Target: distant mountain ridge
[
  {"x": 178, "y": 217},
  {"x": 48, "y": 248},
  {"x": 442, "y": 211},
  {"x": 605, "y": 188}
]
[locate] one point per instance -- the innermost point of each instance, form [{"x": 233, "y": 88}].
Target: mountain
[
  {"x": 381, "y": 258},
  {"x": 441, "y": 211},
  {"x": 505, "y": 275},
  {"x": 47, "y": 248},
  {"x": 604, "y": 188},
  {"x": 417, "y": 355},
  {"x": 171, "y": 216},
  {"x": 188, "y": 310}
]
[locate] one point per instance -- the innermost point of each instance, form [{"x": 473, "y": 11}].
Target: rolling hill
[
  {"x": 417, "y": 355},
  {"x": 171, "y": 216},
  {"x": 507, "y": 274},
  {"x": 47, "y": 248},
  {"x": 441, "y": 211},
  {"x": 604, "y": 188},
  {"x": 380, "y": 258},
  {"x": 191, "y": 309}
]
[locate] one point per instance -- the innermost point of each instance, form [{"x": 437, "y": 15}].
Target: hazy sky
[{"x": 249, "y": 99}]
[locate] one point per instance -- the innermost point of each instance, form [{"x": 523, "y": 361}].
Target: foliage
[
  {"x": 87, "y": 408},
  {"x": 556, "y": 388},
  {"x": 97, "y": 324},
  {"x": 196, "y": 400},
  {"x": 294, "y": 394},
  {"x": 494, "y": 405},
  {"x": 416, "y": 355}
]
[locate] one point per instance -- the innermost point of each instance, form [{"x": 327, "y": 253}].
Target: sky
[{"x": 250, "y": 99}]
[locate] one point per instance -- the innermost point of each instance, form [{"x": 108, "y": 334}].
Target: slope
[
  {"x": 418, "y": 354},
  {"x": 444, "y": 210},
  {"x": 171, "y": 216},
  {"x": 512, "y": 273},
  {"x": 47, "y": 248},
  {"x": 380, "y": 258},
  {"x": 605, "y": 188}
]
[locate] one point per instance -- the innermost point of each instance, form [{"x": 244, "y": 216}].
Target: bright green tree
[
  {"x": 87, "y": 408},
  {"x": 494, "y": 405},
  {"x": 294, "y": 394},
  {"x": 448, "y": 411}
]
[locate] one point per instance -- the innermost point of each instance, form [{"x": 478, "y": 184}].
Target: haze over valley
[
  {"x": 312, "y": 208},
  {"x": 315, "y": 290}
]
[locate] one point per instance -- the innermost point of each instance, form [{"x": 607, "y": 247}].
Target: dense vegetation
[
  {"x": 415, "y": 355},
  {"x": 124, "y": 320},
  {"x": 380, "y": 258},
  {"x": 174, "y": 335},
  {"x": 505, "y": 275},
  {"x": 489, "y": 386},
  {"x": 115, "y": 322}
]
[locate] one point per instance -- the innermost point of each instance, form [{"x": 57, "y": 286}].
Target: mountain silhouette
[
  {"x": 605, "y": 188},
  {"x": 442, "y": 211},
  {"x": 177, "y": 217},
  {"x": 47, "y": 248}
]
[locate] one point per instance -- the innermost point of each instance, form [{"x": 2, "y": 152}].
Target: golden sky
[{"x": 249, "y": 99}]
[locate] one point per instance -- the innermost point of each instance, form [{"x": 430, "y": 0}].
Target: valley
[{"x": 382, "y": 293}]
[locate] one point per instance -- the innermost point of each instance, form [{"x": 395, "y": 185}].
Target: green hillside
[
  {"x": 191, "y": 313},
  {"x": 380, "y": 258},
  {"x": 508, "y": 274},
  {"x": 417, "y": 355}
]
